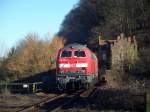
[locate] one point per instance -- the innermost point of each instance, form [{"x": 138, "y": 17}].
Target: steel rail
[
  {"x": 46, "y": 100},
  {"x": 82, "y": 93}
]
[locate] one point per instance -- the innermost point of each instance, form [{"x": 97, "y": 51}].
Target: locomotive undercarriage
[{"x": 74, "y": 81}]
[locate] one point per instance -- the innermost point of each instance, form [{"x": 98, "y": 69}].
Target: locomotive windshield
[
  {"x": 66, "y": 54},
  {"x": 79, "y": 54}
]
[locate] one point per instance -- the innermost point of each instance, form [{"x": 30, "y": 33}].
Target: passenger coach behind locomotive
[{"x": 76, "y": 66}]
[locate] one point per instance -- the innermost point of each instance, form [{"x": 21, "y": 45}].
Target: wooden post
[
  {"x": 148, "y": 102},
  {"x": 6, "y": 87},
  {"x": 33, "y": 88}
]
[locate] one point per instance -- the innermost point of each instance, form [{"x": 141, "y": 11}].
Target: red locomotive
[{"x": 77, "y": 66}]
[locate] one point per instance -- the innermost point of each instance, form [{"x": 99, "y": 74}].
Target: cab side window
[
  {"x": 79, "y": 54},
  {"x": 65, "y": 54}
]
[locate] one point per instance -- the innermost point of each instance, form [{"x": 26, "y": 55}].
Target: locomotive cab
[{"x": 76, "y": 67}]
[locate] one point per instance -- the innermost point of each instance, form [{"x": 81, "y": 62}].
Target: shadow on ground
[
  {"x": 47, "y": 78},
  {"x": 110, "y": 100}
]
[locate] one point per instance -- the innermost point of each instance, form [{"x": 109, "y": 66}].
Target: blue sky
[{"x": 20, "y": 17}]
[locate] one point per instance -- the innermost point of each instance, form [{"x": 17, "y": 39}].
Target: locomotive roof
[{"x": 75, "y": 45}]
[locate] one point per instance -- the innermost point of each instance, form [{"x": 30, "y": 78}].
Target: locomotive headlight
[
  {"x": 58, "y": 79},
  {"x": 83, "y": 70},
  {"x": 61, "y": 71},
  {"x": 78, "y": 71}
]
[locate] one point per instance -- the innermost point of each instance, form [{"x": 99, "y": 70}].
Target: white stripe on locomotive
[
  {"x": 73, "y": 65},
  {"x": 64, "y": 65},
  {"x": 81, "y": 65}
]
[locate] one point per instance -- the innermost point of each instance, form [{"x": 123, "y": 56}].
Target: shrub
[
  {"x": 124, "y": 59},
  {"x": 29, "y": 57}
]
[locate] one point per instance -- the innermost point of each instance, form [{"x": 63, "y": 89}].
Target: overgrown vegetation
[
  {"x": 129, "y": 67},
  {"x": 29, "y": 57},
  {"x": 143, "y": 65},
  {"x": 124, "y": 60},
  {"x": 124, "y": 53}
]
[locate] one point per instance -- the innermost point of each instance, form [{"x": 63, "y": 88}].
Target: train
[{"x": 76, "y": 67}]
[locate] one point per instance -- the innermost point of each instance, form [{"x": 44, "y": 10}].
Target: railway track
[
  {"x": 71, "y": 98},
  {"x": 55, "y": 104},
  {"x": 80, "y": 100},
  {"x": 66, "y": 101},
  {"x": 41, "y": 103}
]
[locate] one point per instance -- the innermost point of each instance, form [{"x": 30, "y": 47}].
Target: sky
[{"x": 20, "y": 17}]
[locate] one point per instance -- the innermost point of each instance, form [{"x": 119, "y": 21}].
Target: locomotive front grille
[{"x": 74, "y": 77}]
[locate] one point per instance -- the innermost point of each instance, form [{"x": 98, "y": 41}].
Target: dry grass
[
  {"x": 13, "y": 102},
  {"x": 124, "y": 57},
  {"x": 124, "y": 52},
  {"x": 18, "y": 99}
]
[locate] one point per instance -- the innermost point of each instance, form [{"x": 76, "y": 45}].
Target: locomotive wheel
[
  {"x": 78, "y": 85},
  {"x": 61, "y": 87},
  {"x": 70, "y": 87},
  {"x": 87, "y": 86}
]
